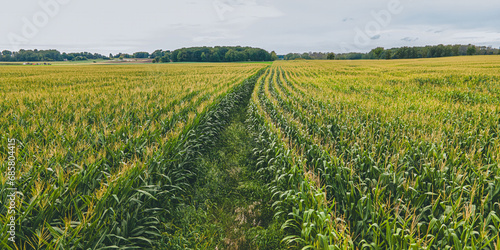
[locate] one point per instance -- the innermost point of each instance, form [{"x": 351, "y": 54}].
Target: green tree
[
  {"x": 471, "y": 50},
  {"x": 292, "y": 56},
  {"x": 157, "y": 53},
  {"x": 274, "y": 57},
  {"x": 455, "y": 51},
  {"x": 388, "y": 54},
  {"x": 230, "y": 56},
  {"x": 7, "y": 55},
  {"x": 330, "y": 56},
  {"x": 141, "y": 55},
  {"x": 219, "y": 53},
  {"x": 377, "y": 52},
  {"x": 215, "y": 57},
  {"x": 165, "y": 58},
  {"x": 182, "y": 56}
]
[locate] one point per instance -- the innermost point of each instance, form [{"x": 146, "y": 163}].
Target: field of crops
[
  {"x": 103, "y": 151},
  {"x": 396, "y": 154},
  {"x": 383, "y": 154}
]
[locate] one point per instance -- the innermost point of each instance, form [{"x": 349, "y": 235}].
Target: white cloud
[{"x": 281, "y": 25}]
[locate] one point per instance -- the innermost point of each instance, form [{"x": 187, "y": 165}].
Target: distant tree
[
  {"x": 44, "y": 55},
  {"x": 455, "y": 50},
  {"x": 215, "y": 57},
  {"x": 6, "y": 55},
  {"x": 388, "y": 55},
  {"x": 80, "y": 58},
  {"x": 157, "y": 53},
  {"x": 448, "y": 50},
  {"x": 165, "y": 58},
  {"x": 291, "y": 56},
  {"x": 377, "y": 52},
  {"x": 141, "y": 55},
  {"x": 229, "y": 56},
  {"x": 409, "y": 52},
  {"x": 438, "y": 51},
  {"x": 241, "y": 56},
  {"x": 203, "y": 57},
  {"x": 182, "y": 56},
  {"x": 274, "y": 57},
  {"x": 471, "y": 50},
  {"x": 305, "y": 56},
  {"x": 330, "y": 56}
]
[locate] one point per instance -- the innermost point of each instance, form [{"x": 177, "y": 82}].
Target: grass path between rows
[{"x": 231, "y": 208}]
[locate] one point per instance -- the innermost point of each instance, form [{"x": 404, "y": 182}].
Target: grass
[{"x": 230, "y": 208}]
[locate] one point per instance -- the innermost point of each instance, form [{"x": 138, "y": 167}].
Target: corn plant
[
  {"x": 404, "y": 153},
  {"x": 108, "y": 152}
]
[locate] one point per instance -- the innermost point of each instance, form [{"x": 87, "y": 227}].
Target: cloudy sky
[{"x": 111, "y": 26}]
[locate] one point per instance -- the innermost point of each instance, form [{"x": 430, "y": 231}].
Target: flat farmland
[
  {"x": 320, "y": 154},
  {"x": 95, "y": 143},
  {"x": 383, "y": 154}
]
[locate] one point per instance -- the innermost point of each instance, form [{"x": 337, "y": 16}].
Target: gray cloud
[
  {"x": 281, "y": 25},
  {"x": 410, "y": 39}
]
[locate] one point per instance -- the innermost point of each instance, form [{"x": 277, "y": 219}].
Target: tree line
[
  {"x": 421, "y": 52},
  {"x": 54, "y": 55},
  {"x": 239, "y": 54},
  {"x": 46, "y": 55},
  {"x": 193, "y": 54},
  {"x": 399, "y": 53},
  {"x": 309, "y": 56},
  {"x": 214, "y": 54}
]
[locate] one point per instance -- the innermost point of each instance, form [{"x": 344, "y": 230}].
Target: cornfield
[
  {"x": 399, "y": 154},
  {"x": 382, "y": 154},
  {"x": 105, "y": 152}
]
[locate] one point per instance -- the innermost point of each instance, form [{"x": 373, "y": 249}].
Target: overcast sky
[{"x": 111, "y": 26}]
